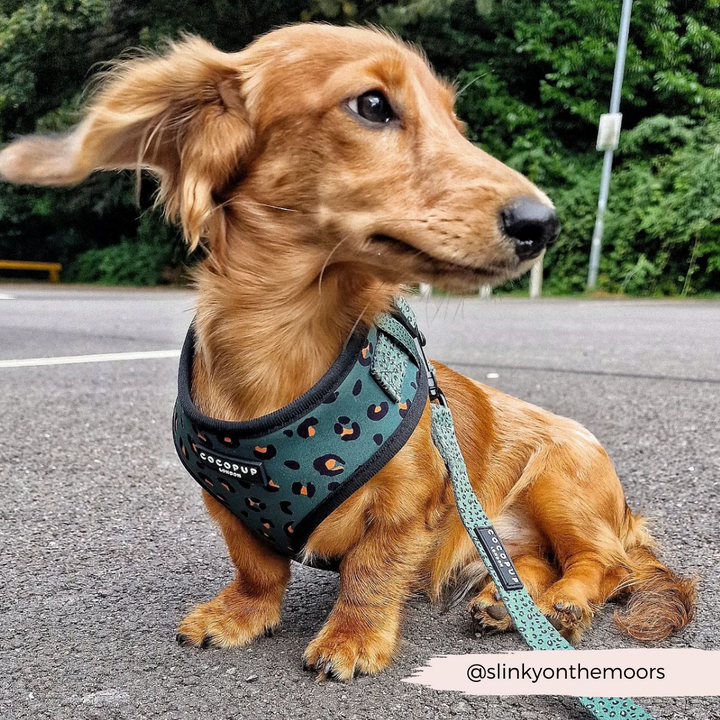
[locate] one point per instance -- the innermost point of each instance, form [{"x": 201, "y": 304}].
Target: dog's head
[{"x": 343, "y": 136}]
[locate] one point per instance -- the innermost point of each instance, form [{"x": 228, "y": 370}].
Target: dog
[{"x": 322, "y": 169}]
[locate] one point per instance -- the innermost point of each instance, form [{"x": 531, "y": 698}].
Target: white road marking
[
  {"x": 82, "y": 359},
  {"x": 5, "y": 296}
]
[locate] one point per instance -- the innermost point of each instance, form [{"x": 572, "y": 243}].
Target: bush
[
  {"x": 129, "y": 263},
  {"x": 141, "y": 261},
  {"x": 532, "y": 77},
  {"x": 662, "y": 226}
]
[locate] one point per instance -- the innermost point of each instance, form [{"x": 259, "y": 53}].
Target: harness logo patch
[{"x": 247, "y": 470}]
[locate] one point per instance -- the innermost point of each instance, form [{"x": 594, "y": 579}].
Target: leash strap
[{"x": 532, "y": 625}]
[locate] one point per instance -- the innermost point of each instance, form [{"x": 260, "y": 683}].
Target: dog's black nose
[{"x": 531, "y": 225}]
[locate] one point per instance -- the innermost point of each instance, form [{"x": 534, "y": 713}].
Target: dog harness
[{"x": 282, "y": 474}]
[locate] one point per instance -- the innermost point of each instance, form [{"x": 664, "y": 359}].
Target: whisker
[
  {"x": 325, "y": 264},
  {"x": 286, "y": 209},
  {"x": 438, "y": 305},
  {"x": 471, "y": 83},
  {"x": 362, "y": 312},
  {"x": 427, "y": 306},
  {"x": 224, "y": 203}
]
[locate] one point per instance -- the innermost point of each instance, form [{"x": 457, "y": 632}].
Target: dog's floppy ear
[{"x": 180, "y": 115}]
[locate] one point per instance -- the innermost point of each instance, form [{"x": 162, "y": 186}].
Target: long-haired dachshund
[{"x": 322, "y": 168}]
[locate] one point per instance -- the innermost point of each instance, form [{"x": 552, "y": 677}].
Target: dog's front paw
[
  {"x": 230, "y": 620},
  {"x": 342, "y": 655}
]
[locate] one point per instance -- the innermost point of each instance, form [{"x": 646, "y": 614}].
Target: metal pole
[{"x": 607, "y": 160}]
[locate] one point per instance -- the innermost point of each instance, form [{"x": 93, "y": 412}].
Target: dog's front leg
[
  {"x": 251, "y": 604},
  {"x": 376, "y": 576}
]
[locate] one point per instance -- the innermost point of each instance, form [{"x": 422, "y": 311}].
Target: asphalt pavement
[{"x": 104, "y": 542}]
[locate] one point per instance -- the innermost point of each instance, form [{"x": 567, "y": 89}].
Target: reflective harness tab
[{"x": 283, "y": 473}]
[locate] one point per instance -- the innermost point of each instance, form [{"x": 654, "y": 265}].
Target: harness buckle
[{"x": 435, "y": 392}]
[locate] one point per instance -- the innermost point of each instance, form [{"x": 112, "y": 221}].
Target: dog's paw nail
[
  {"x": 181, "y": 639},
  {"x": 496, "y": 612},
  {"x": 558, "y": 606},
  {"x": 496, "y": 596},
  {"x": 269, "y": 632},
  {"x": 328, "y": 669},
  {"x": 206, "y": 642},
  {"x": 319, "y": 663},
  {"x": 555, "y": 622},
  {"x": 575, "y": 611}
]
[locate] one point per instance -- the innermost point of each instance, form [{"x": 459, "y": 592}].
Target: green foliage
[
  {"x": 128, "y": 263},
  {"x": 558, "y": 56},
  {"x": 141, "y": 261},
  {"x": 662, "y": 232},
  {"x": 533, "y": 77},
  {"x": 48, "y": 52}
]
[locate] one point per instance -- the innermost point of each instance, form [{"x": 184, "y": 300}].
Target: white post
[
  {"x": 536, "y": 278},
  {"x": 607, "y": 160},
  {"x": 485, "y": 291},
  {"x": 425, "y": 290}
]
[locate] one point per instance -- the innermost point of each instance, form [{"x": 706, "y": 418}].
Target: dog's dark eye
[{"x": 373, "y": 106}]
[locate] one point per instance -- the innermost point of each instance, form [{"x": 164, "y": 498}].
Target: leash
[{"x": 532, "y": 625}]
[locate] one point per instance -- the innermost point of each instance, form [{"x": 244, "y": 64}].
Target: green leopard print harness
[{"x": 282, "y": 474}]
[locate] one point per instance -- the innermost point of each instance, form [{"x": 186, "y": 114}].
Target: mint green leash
[{"x": 532, "y": 625}]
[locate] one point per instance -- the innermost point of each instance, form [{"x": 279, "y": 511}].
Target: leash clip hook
[{"x": 434, "y": 391}]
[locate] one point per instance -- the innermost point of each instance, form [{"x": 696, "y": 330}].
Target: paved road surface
[{"x": 103, "y": 541}]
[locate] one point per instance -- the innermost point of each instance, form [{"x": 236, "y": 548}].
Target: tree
[{"x": 532, "y": 77}]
